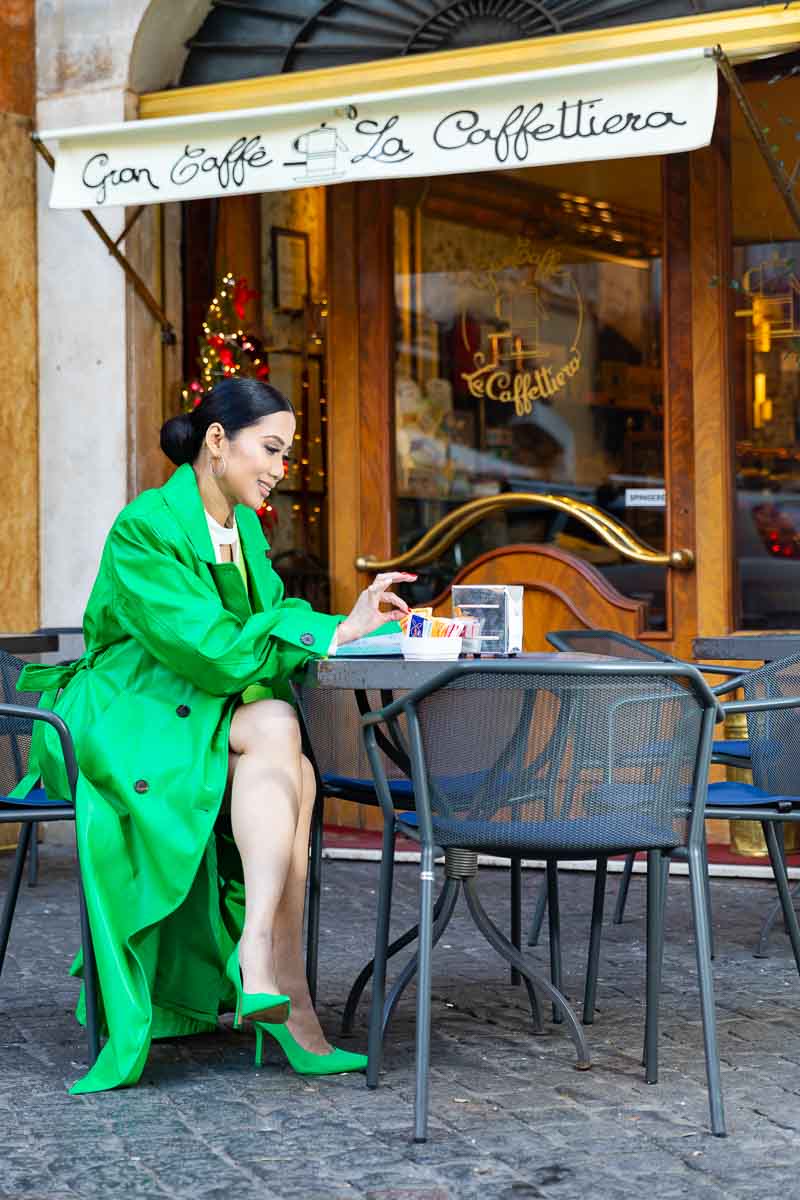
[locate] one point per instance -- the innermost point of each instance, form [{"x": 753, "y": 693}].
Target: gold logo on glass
[{"x": 532, "y": 342}]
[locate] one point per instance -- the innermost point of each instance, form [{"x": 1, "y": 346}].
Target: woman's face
[{"x": 254, "y": 459}]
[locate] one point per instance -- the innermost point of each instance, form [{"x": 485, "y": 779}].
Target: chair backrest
[
  {"x": 775, "y": 736},
  {"x": 570, "y": 759},
  {"x": 604, "y": 641},
  {"x": 333, "y": 723},
  {"x": 15, "y": 733}
]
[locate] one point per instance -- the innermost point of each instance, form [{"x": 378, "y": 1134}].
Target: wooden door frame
[{"x": 360, "y": 343}]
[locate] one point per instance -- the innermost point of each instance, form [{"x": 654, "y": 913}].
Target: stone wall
[{"x": 99, "y": 355}]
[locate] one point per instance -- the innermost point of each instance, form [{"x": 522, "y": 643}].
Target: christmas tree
[{"x": 225, "y": 349}]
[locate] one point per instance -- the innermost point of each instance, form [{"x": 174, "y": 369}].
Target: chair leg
[
  {"x": 655, "y": 944},
  {"x": 707, "y": 885},
  {"x": 782, "y": 884},
  {"x": 622, "y": 894},
  {"x": 424, "y": 996},
  {"x": 33, "y": 857},
  {"x": 375, "y": 1037},
  {"x": 590, "y": 990},
  {"x": 554, "y": 929},
  {"x": 538, "y": 914},
  {"x": 13, "y": 889},
  {"x": 89, "y": 978},
  {"x": 442, "y": 913},
  {"x": 314, "y": 896},
  {"x": 516, "y": 914},
  {"x": 704, "y": 972}
]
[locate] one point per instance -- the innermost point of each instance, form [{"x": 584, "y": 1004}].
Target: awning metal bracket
[
  {"x": 168, "y": 336},
  {"x": 783, "y": 180}
]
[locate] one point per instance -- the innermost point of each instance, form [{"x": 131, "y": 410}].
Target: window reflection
[
  {"x": 528, "y": 358},
  {"x": 765, "y": 295}
]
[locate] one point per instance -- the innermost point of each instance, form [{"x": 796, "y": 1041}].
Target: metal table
[
  {"x": 386, "y": 675},
  {"x": 28, "y": 643},
  {"x": 747, "y": 647}
]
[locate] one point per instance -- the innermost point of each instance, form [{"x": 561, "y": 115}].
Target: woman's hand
[{"x": 367, "y": 614}]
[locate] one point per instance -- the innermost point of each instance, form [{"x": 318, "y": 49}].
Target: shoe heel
[
  {"x": 259, "y": 1045},
  {"x": 237, "y": 1016}
]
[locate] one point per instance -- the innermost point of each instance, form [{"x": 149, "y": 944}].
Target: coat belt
[{"x": 37, "y": 677}]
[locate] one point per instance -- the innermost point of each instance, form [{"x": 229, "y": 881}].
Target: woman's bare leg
[
  {"x": 265, "y": 806},
  {"x": 287, "y": 938}
]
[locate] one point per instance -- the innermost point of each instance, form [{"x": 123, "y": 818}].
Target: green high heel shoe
[
  {"x": 302, "y": 1061},
  {"x": 262, "y": 1006}
]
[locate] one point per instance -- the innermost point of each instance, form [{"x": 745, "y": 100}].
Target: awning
[{"x": 659, "y": 104}]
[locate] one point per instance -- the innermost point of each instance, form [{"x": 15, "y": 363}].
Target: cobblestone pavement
[{"x": 511, "y": 1118}]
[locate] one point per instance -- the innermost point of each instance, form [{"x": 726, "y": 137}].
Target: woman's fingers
[{"x": 390, "y": 598}]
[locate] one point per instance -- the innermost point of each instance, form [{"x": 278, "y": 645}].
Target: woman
[{"x": 186, "y": 620}]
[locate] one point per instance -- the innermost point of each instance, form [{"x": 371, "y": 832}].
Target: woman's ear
[{"x": 215, "y": 436}]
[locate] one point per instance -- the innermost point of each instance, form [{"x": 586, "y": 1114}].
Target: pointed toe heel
[
  {"x": 254, "y": 1006},
  {"x": 302, "y": 1061}
]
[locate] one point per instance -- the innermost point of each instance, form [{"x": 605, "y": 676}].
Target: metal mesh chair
[
  {"x": 734, "y": 753},
  {"x": 16, "y": 731},
  {"x": 541, "y": 761},
  {"x": 771, "y": 701},
  {"x": 331, "y": 730},
  {"x": 333, "y": 742}
]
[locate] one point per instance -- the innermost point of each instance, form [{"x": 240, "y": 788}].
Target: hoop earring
[{"x": 215, "y": 462}]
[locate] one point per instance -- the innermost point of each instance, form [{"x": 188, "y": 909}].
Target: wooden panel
[
  {"x": 17, "y": 59},
  {"x": 711, "y": 268},
  {"x": 19, "y": 481},
  {"x": 360, "y": 410},
  {"x": 360, "y": 354},
  {"x": 679, "y": 463},
  {"x": 561, "y": 592},
  {"x": 238, "y": 246}
]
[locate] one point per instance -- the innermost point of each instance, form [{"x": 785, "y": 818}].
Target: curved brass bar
[{"x": 444, "y": 533}]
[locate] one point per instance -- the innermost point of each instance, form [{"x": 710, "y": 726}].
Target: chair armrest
[
  {"x": 23, "y": 713},
  {"x": 768, "y": 705},
  {"x": 712, "y": 669}
]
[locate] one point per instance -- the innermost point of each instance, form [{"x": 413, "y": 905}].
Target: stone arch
[{"x": 159, "y": 50}]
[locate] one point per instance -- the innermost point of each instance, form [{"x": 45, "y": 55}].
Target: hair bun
[{"x": 179, "y": 439}]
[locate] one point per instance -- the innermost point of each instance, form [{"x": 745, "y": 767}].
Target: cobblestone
[{"x": 510, "y": 1117}]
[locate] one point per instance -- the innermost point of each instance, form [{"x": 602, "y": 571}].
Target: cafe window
[
  {"x": 765, "y": 357},
  {"x": 529, "y": 359}
]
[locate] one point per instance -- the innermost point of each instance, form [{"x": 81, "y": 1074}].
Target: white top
[{"x": 221, "y": 536}]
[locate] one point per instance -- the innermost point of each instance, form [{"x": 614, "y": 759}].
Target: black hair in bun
[
  {"x": 180, "y": 438},
  {"x": 234, "y": 403}
]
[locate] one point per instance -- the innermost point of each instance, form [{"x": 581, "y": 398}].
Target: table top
[
  {"x": 28, "y": 643},
  {"x": 396, "y": 673},
  {"x": 747, "y": 647}
]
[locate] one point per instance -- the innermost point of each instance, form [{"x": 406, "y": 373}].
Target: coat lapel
[
  {"x": 254, "y": 549},
  {"x": 183, "y": 498}
]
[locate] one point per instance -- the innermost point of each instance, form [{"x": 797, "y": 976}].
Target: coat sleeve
[{"x": 181, "y": 621}]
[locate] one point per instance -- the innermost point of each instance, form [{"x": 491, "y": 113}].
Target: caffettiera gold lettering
[{"x": 521, "y": 388}]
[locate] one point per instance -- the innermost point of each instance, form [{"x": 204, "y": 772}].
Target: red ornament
[
  {"x": 242, "y": 295},
  {"x": 226, "y": 357},
  {"x": 262, "y": 372},
  {"x": 216, "y": 340}
]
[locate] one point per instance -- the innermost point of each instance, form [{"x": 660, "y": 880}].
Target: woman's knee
[{"x": 265, "y": 727}]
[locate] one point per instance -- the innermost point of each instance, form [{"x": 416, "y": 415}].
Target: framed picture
[{"x": 291, "y": 274}]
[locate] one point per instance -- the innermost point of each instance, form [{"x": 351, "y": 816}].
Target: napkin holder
[{"x": 497, "y": 609}]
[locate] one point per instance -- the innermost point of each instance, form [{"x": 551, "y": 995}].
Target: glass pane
[
  {"x": 528, "y": 359},
  {"x": 294, "y": 288},
  {"x": 765, "y": 293}
]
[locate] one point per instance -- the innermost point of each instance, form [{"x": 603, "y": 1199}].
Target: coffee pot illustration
[{"x": 321, "y": 147}]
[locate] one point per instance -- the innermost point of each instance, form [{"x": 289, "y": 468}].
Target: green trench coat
[{"x": 172, "y": 641}]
